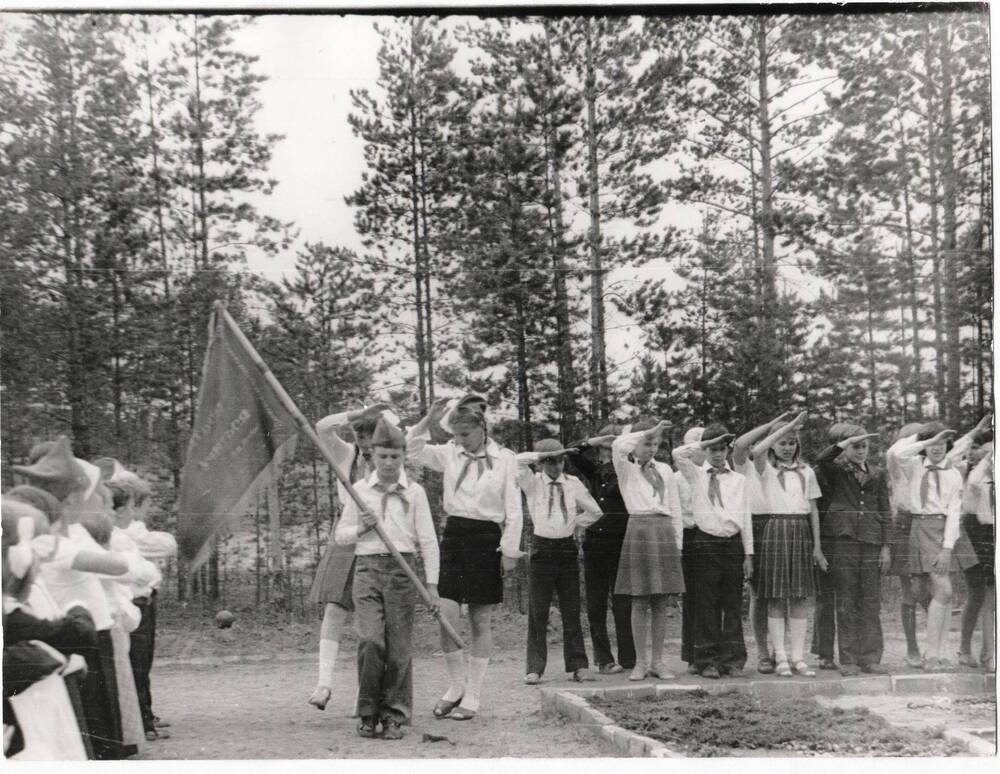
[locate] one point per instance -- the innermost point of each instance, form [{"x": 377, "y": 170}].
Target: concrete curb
[
  {"x": 573, "y": 703},
  {"x": 973, "y": 743}
]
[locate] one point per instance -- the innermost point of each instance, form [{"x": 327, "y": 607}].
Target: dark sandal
[
  {"x": 461, "y": 713},
  {"x": 444, "y": 707}
]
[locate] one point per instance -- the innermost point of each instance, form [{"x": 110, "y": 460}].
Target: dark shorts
[{"x": 470, "y": 562}]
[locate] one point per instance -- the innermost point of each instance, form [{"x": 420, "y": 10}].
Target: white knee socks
[
  {"x": 328, "y": 650},
  {"x": 797, "y": 629},
  {"x": 474, "y": 684},
  {"x": 455, "y": 661},
  {"x": 776, "y": 633}
]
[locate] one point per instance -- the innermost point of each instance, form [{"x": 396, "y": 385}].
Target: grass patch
[{"x": 707, "y": 725}]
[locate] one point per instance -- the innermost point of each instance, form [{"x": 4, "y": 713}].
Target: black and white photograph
[{"x": 354, "y": 360}]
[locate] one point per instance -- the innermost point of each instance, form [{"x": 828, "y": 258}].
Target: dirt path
[{"x": 260, "y": 711}]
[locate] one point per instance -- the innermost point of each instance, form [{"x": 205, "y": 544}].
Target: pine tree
[{"x": 403, "y": 210}]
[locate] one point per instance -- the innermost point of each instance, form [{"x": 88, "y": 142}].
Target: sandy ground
[
  {"x": 260, "y": 711},
  {"x": 253, "y": 704}
]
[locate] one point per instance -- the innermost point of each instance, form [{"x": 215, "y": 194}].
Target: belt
[
  {"x": 927, "y": 515},
  {"x": 788, "y": 515},
  {"x": 650, "y": 514}
]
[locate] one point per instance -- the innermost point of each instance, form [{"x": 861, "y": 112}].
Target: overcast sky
[{"x": 312, "y": 63}]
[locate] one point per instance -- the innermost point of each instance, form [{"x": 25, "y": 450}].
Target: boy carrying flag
[{"x": 384, "y": 598}]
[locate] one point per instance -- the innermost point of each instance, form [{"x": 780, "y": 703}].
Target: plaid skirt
[
  {"x": 334, "y": 576},
  {"x": 650, "y": 561},
  {"x": 926, "y": 539},
  {"x": 786, "y": 563}
]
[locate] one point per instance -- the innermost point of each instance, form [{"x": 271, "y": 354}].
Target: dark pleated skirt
[
  {"x": 99, "y": 697},
  {"x": 650, "y": 561},
  {"x": 786, "y": 563},
  {"x": 334, "y": 576},
  {"x": 926, "y": 539},
  {"x": 470, "y": 562}
]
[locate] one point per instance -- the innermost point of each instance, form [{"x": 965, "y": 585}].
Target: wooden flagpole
[{"x": 306, "y": 428}]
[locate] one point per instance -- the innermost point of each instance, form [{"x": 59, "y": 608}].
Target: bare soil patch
[{"x": 735, "y": 724}]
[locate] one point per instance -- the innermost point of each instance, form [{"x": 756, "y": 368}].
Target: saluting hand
[{"x": 437, "y": 410}]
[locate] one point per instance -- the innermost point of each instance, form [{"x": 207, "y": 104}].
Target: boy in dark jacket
[{"x": 856, "y": 531}]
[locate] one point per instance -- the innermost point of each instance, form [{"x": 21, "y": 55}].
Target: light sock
[
  {"x": 797, "y": 629},
  {"x": 328, "y": 650},
  {"x": 936, "y": 620},
  {"x": 474, "y": 683},
  {"x": 776, "y": 634},
  {"x": 455, "y": 661}
]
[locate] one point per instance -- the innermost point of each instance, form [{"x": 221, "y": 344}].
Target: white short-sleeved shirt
[
  {"x": 491, "y": 496},
  {"x": 728, "y": 519},
  {"x": 755, "y": 491},
  {"x": 68, "y": 586},
  {"x": 582, "y": 509},
  {"x": 905, "y": 458},
  {"x": 792, "y": 497},
  {"x": 637, "y": 492}
]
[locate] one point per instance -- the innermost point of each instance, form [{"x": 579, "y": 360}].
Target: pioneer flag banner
[{"x": 242, "y": 433}]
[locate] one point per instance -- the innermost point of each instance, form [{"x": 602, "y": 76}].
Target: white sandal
[{"x": 802, "y": 668}]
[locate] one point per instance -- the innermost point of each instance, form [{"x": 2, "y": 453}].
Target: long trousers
[
  {"x": 600, "y": 570},
  {"x": 717, "y": 574},
  {"x": 687, "y": 611},
  {"x": 384, "y": 601},
  {"x": 856, "y": 582},
  {"x": 825, "y": 617},
  {"x": 553, "y": 568},
  {"x": 140, "y": 655}
]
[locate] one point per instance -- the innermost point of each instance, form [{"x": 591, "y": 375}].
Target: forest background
[{"x": 583, "y": 218}]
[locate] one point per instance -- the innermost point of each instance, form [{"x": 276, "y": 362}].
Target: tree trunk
[
  {"x": 950, "y": 261},
  {"x": 418, "y": 272},
  {"x": 199, "y": 149},
  {"x": 428, "y": 308},
  {"x": 910, "y": 282},
  {"x": 565, "y": 376},
  {"x": 767, "y": 302},
  {"x": 523, "y": 390},
  {"x": 932, "y": 177},
  {"x": 599, "y": 407}
]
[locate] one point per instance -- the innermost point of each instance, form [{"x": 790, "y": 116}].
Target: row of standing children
[
  {"x": 79, "y": 588},
  {"x": 649, "y": 533}
]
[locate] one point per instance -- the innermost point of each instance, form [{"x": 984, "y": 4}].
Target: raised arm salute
[
  {"x": 742, "y": 463},
  {"x": 790, "y": 545},
  {"x": 857, "y": 528},
  {"x": 721, "y": 551},
  {"x": 482, "y": 532}
]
